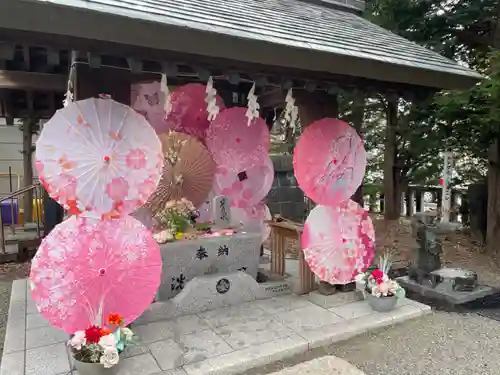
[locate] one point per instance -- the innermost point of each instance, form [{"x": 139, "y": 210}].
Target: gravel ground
[
  {"x": 5, "y": 287},
  {"x": 437, "y": 344}
]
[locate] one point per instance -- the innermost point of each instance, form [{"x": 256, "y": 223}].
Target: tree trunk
[
  {"x": 358, "y": 114},
  {"x": 493, "y": 215},
  {"x": 392, "y": 189},
  {"x": 409, "y": 202},
  {"x": 28, "y": 169}
]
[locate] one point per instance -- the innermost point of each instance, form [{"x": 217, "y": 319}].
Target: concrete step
[{"x": 328, "y": 365}]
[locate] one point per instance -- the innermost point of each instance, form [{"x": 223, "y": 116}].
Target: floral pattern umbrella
[
  {"x": 245, "y": 188},
  {"x": 236, "y": 145},
  {"x": 99, "y": 157},
  {"x": 86, "y": 269},
  {"x": 338, "y": 242},
  {"x": 148, "y": 100},
  {"x": 253, "y": 219},
  {"x": 189, "y": 110},
  {"x": 329, "y": 161}
]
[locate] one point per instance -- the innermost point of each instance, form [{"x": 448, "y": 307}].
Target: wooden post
[
  {"x": 278, "y": 252},
  {"x": 358, "y": 114},
  {"x": 29, "y": 125}
]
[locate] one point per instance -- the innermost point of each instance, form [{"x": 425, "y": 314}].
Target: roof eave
[{"x": 75, "y": 22}]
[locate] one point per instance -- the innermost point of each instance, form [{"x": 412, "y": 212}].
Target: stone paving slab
[
  {"x": 328, "y": 365},
  {"x": 226, "y": 341}
]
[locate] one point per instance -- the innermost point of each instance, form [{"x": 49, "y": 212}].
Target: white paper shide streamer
[
  {"x": 291, "y": 110},
  {"x": 167, "y": 104},
  {"x": 68, "y": 96},
  {"x": 211, "y": 100},
  {"x": 253, "y": 106}
]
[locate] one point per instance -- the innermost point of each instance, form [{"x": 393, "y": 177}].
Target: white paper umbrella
[{"x": 99, "y": 157}]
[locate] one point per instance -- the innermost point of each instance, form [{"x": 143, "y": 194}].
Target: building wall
[
  {"x": 11, "y": 144},
  {"x": 285, "y": 197}
]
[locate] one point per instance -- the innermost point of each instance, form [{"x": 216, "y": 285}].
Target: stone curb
[{"x": 238, "y": 362}]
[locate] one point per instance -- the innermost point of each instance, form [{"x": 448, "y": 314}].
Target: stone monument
[
  {"x": 221, "y": 212},
  {"x": 427, "y": 277}
]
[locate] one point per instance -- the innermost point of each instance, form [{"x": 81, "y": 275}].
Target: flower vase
[
  {"x": 85, "y": 368},
  {"x": 381, "y": 304}
]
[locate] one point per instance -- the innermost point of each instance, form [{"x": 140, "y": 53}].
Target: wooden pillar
[
  {"x": 358, "y": 114},
  {"x": 92, "y": 82},
  {"x": 315, "y": 106},
  {"x": 29, "y": 125},
  {"x": 278, "y": 252}
]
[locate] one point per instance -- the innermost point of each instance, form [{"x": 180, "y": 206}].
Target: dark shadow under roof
[{"x": 317, "y": 38}]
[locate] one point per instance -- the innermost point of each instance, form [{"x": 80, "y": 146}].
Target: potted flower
[
  {"x": 381, "y": 292},
  {"x": 96, "y": 350},
  {"x": 175, "y": 218}
]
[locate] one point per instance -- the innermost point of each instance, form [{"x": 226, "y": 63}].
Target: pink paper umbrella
[
  {"x": 86, "y": 269},
  {"x": 338, "y": 242},
  {"x": 329, "y": 161},
  {"x": 235, "y": 144},
  {"x": 245, "y": 188},
  {"x": 189, "y": 110},
  {"x": 253, "y": 219},
  {"x": 99, "y": 157},
  {"x": 148, "y": 100}
]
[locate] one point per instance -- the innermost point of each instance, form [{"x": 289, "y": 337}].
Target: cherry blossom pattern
[
  {"x": 236, "y": 145},
  {"x": 189, "y": 113},
  {"x": 334, "y": 246},
  {"x": 106, "y": 165},
  {"x": 329, "y": 161},
  {"x": 86, "y": 265},
  {"x": 245, "y": 188}
]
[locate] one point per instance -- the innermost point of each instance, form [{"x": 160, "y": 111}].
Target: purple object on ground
[{"x": 6, "y": 211}]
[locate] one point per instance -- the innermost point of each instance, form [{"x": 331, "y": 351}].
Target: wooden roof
[{"x": 280, "y": 33}]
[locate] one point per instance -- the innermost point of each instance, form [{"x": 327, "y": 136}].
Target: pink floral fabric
[
  {"x": 86, "y": 266},
  {"x": 149, "y": 101},
  {"x": 338, "y": 242},
  {"x": 99, "y": 157},
  {"x": 236, "y": 145},
  {"x": 245, "y": 188},
  {"x": 329, "y": 161},
  {"x": 253, "y": 219},
  {"x": 189, "y": 110}
]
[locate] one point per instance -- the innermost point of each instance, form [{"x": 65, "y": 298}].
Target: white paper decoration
[
  {"x": 167, "y": 104},
  {"x": 211, "y": 100},
  {"x": 291, "y": 110},
  {"x": 253, "y": 105}
]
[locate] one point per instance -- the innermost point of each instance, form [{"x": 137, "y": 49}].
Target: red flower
[
  {"x": 115, "y": 319},
  {"x": 93, "y": 334},
  {"x": 378, "y": 275}
]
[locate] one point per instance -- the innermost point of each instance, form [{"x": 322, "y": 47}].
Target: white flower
[
  {"x": 78, "y": 340},
  {"x": 127, "y": 332},
  {"x": 360, "y": 278},
  {"x": 110, "y": 357},
  {"x": 108, "y": 341}
]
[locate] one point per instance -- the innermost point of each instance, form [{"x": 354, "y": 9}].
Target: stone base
[
  {"x": 442, "y": 292},
  {"x": 213, "y": 292},
  {"x": 228, "y": 341}
]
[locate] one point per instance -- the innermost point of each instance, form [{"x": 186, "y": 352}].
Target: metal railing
[{"x": 16, "y": 197}]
